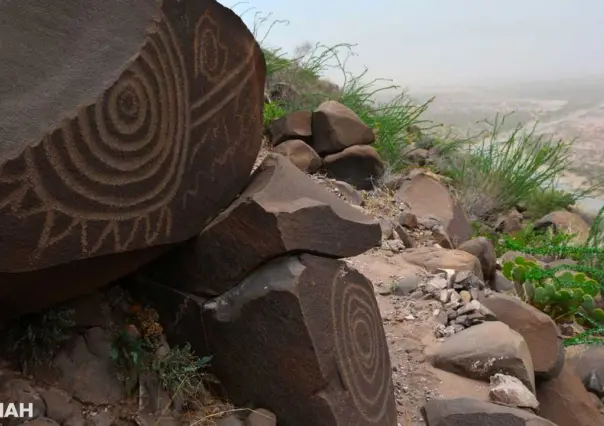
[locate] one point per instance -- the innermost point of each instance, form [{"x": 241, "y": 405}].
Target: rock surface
[
  {"x": 281, "y": 211},
  {"x": 588, "y": 364},
  {"x": 481, "y": 351},
  {"x": 471, "y": 412},
  {"x": 484, "y": 251},
  {"x": 565, "y": 221},
  {"x": 303, "y": 337},
  {"x": 295, "y": 125},
  {"x": 509, "y": 390},
  {"x": 435, "y": 259},
  {"x": 565, "y": 401},
  {"x": 538, "y": 330},
  {"x": 358, "y": 165},
  {"x": 427, "y": 197},
  {"x": 108, "y": 148},
  {"x": 335, "y": 127},
  {"x": 300, "y": 154}
]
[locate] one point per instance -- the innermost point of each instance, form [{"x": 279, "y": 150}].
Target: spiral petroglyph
[
  {"x": 127, "y": 163},
  {"x": 361, "y": 347}
]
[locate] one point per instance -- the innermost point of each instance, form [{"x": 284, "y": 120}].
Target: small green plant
[
  {"x": 181, "y": 372},
  {"x": 561, "y": 296},
  {"x": 543, "y": 201},
  {"x": 272, "y": 112},
  {"x": 137, "y": 348},
  {"x": 36, "y": 338}
]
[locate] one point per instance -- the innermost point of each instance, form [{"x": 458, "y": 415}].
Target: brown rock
[
  {"x": 358, "y": 165},
  {"x": 565, "y": 401},
  {"x": 538, "y": 330},
  {"x": 427, "y": 197},
  {"x": 484, "y": 251},
  {"x": 588, "y": 364},
  {"x": 110, "y": 150},
  {"x": 280, "y": 337},
  {"x": 59, "y": 405},
  {"x": 351, "y": 195},
  {"x": 300, "y": 154},
  {"x": 435, "y": 258},
  {"x": 261, "y": 417},
  {"x": 387, "y": 228},
  {"x": 336, "y": 127},
  {"x": 565, "y": 221},
  {"x": 408, "y": 219},
  {"x": 418, "y": 156},
  {"x": 281, "y": 211},
  {"x": 501, "y": 283},
  {"x": 485, "y": 349},
  {"x": 295, "y": 125},
  {"x": 441, "y": 237},
  {"x": 509, "y": 390},
  {"x": 85, "y": 370},
  {"x": 510, "y": 223},
  {"x": 472, "y": 412}
]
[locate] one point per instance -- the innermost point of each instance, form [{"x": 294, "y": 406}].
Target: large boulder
[
  {"x": 565, "y": 401},
  {"x": 335, "y": 127},
  {"x": 483, "y": 350},
  {"x": 301, "y": 336},
  {"x": 136, "y": 136},
  {"x": 472, "y": 412},
  {"x": 429, "y": 198},
  {"x": 538, "y": 330},
  {"x": 565, "y": 221},
  {"x": 282, "y": 211},
  {"x": 359, "y": 165},
  {"x": 436, "y": 258}
]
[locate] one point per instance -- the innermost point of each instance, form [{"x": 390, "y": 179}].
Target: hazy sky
[{"x": 442, "y": 42}]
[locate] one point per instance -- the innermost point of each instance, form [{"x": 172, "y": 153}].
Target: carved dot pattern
[
  {"x": 361, "y": 348},
  {"x": 135, "y": 137}
]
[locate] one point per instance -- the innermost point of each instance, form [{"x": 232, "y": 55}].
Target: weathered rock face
[
  {"x": 538, "y": 330},
  {"x": 565, "y": 221},
  {"x": 588, "y": 364},
  {"x": 471, "y": 412},
  {"x": 565, "y": 401},
  {"x": 359, "y": 165},
  {"x": 111, "y": 147},
  {"x": 295, "y": 125},
  {"x": 300, "y": 154},
  {"x": 484, "y": 251},
  {"x": 485, "y": 349},
  {"x": 427, "y": 197},
  {"x": 281, "y": 211},
  {"x": 303, "y": 337},
  {"x": 335, "y": 127},
  {"x": 435, "y": 258}
]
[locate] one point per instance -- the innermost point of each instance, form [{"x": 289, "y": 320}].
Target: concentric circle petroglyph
[
  {"x": 361, "y": 347},
  {"x": 127, "y": 152}
]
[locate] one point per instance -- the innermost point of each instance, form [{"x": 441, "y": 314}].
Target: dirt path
[{"x": 409, "y": 325}]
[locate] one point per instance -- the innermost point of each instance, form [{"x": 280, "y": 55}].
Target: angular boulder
[
  {"x": 472, "y": 412},
  {"x": 109, "y": 147},
  {"x": 427, "y": 197},
  {"x": 335, "y": 127},
  {"x": 483, "y": 350},
  {"x": 565, "y": 401},
  {"x": 281, "y": 211},
  {"x": 295, "y": 125},
  {"x": 565, "y": 221},
  {"x": 359, "y": 165},
  {"x": 484, "y": 251},
  {"x": 300, "y": 154},
  {"x": 303, "y": 337},
  {"x": 588, "y": 364},
  {"x": 538, "y": 330},
  {"x": 436, "y": 258}
]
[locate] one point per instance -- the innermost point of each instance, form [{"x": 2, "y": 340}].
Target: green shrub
[
  {"x": 543, "y": 201},
  {"x": 493, "y": 172},
  {"x": 36, "y": 338},
  {"x": 272, "y": 112}
]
